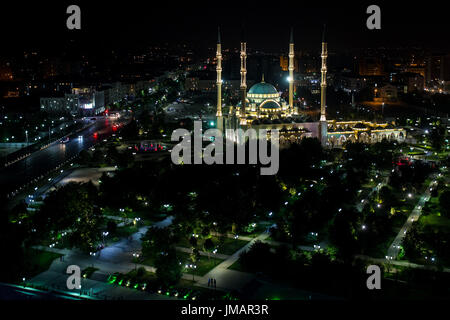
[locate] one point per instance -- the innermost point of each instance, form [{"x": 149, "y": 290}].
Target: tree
[
  {"x": 125, "y": 159},
  {"x": 69, "y": 207},
  {"x": 131, "y": 130},
  {"x": 437, "y": 137},
  {"x": 193, "y": 241},
  {"x": 168, "y": 267},
  {"x": 304, "y": 215},
  {"x": 111, "y": 226},
  {"x": 86, "y": 231},
  {"x": 18, "y": 211},
  {"x": 84, "y": 157},
  {"x": 387, "y": 197},
  {"x": 444, "y": 203},
  {"x": 11, "y": 247},
  {"x": 194, "y": 256},
  {"x": 257, "y": 258},
  {"x": 97, "y": 157},
  {"x": 208, "y": 246},
  {"x": 343, "y": 233},
  {"x": 112, "y": 154},
  {"x": 413, "y": 243},
  {"x": 157, "y": 241}
]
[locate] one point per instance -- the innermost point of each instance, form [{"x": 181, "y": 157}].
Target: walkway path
[
  {"x": 203, "y": 253},
  {"x": 114, "y": 258},
  {"x": 271, "y": 242},
  {"x": 360, "y": 205},
  {"x": 230, "y": 279},
  {"x": 118, "y": 257},
  {"x": 394, "y": 248},
  {"x": 400, "y": 263}
]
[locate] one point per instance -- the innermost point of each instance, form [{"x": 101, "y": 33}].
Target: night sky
[{"x": 127, "y": 24}]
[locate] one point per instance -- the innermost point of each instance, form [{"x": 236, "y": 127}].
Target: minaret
[
  {"x": 291, "y": 71},
  {"x": 323, "y": 83},
  {"x": 243, "y": 72},
  {"x": 219, "y": 82},
  {"x": 323, "y": 93}
]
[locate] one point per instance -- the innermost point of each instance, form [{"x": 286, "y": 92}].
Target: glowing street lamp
[{"x": 136, "y": 256}]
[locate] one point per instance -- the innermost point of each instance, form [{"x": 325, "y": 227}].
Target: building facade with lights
[{"x": 262, "y": 107}]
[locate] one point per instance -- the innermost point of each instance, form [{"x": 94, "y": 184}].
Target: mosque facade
[{"x": 262, "y": 107}]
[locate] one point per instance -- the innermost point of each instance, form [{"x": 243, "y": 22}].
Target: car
[{"x": 65, "y": 140}]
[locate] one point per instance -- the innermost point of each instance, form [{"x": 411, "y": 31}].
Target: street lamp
[
  {"x": 105, "y": 233},
  {"x": 192, "y": 267},
  {"x": 92, "y": 254},
  {"x": 136, "y": 256}
]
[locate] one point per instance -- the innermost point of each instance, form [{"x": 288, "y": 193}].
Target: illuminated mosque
[{"x": 262, "y": 107}]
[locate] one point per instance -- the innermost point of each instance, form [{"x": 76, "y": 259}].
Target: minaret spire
[
  {"x": 243, "y": 71},
  {"x": 219, "y": 80},
  {"x": 323, "y": 83},
  {"x": 323, "y": 94},
  {"x": 291, "y": 71}
]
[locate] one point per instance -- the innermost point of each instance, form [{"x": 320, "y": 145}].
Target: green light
[{"x": 120, "y": 282}]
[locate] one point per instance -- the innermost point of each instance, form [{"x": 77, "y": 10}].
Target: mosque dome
[
  {"x": 269, "y": 104},
  {"x": 263, "y": 88}
]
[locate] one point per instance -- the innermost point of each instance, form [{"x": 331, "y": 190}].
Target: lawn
[
  {"x": 146, "y": 218},
  {"x": 228, "y": 246},
  {"x": 121, "y": 232},
  {"x": 147, "y": 261},
  {"x": 87, "y": 273},
  {"x": 237, "y": 266},
  {"x": 379, "y": 250},
  {"x": 37, "y": 261},
  {"x": 435, "y": 222},
  {"x": 259, "y": 228},
  {"x": 204, "y": 264},
  {"x": 131, "y": 214},
  {"x": 125, "y": 231}
]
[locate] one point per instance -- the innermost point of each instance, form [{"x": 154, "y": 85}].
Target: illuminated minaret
[
  {"x": 243, "y": 73},
  {"x": 291, "y": 71},
  {"x": 219, "y": 82},
  {"x": 323, "y": 92},
  {"x": 323, "y": 83}
]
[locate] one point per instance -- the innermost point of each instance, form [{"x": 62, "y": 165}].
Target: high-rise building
[
  {"x": 371, "y": 66},
  {"x": 437, "y": 71},
  {"x": 68, "y": 104}
]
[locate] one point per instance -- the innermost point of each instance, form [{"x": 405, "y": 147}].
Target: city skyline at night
[{"x": 224, "y": 155}]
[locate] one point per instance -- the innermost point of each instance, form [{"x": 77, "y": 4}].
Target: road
[{"x": 41, "y": 162}]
